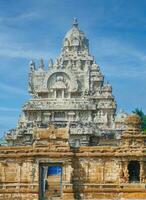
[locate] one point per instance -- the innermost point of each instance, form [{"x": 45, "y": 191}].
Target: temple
[
  {"x": 70, "y": 143},
  {"x": 71, "y": 93}
]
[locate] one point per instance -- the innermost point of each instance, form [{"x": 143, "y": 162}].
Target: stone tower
[{"x": 71, "y": 93}]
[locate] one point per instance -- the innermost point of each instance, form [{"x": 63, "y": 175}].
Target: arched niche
[
  {"x": 69, "y": 79},
  {"x": 75, "y": 42}
]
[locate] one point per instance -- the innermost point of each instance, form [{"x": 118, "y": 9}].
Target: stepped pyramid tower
[{"x": 72, "y": 93}]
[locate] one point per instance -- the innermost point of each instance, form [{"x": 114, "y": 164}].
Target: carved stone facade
[
  {"x": 52, "y": 170},
  {"x": 72, "y": 92}
]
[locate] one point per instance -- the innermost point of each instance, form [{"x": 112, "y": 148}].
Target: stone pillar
[
  {"x": 19, "y": 174},
  {"x": 55, "y": 94},
  {"x": 121, "y": 174},
  {"x": 142, "y": 176},
  {"x": 89, "y": 116},
  {"x": 4, "y": 171},
  {"x": 62, "y": 94},
  {"x": 52, "y": 118},
  {"x": 103, "y": 171},
  {"x": 69, "y": 96},
  {"x": 39, "y": 117},
  {"x": 124, "y": 176},
  {"x": 49, "y": 117}
]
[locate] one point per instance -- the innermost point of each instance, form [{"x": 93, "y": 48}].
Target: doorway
[
  {"x": 50, "y": 181},
  {"x": 134, "y": 171}
]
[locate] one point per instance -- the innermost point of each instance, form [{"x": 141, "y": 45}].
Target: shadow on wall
[{"x": 78, "y": 177}]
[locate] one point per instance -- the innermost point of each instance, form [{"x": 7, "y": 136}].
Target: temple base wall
[{"x": 87, "y": 173}]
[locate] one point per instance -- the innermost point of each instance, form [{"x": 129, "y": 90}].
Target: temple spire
[{"x": 75, "y": 39}]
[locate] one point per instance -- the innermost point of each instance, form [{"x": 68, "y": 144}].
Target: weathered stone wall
[
  {"x": 18, "y": 179},
  {"x": 88, "y": 173},
  {"x": 99, "y": 172}
]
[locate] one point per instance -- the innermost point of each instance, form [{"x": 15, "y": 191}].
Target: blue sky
[{"x": 34, "y": 29}]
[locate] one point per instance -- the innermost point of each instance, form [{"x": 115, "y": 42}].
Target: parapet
[{"x": 133, "y": 122}]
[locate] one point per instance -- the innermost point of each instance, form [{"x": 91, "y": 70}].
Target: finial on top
[
  {"x": 32, "y": 64},
  {"x": 42, "y": 66},
  {"x": 75, "y": 22}
]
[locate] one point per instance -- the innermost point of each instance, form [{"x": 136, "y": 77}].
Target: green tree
[{"x": 143, "y": 118}]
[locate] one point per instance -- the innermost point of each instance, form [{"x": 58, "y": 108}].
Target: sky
[{"x": 34, "y": 29}]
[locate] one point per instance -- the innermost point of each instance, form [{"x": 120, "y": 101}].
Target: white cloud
[
  {"x": 118, "y": 58},
  {"x": 113, "y": 47},
  {"x": 11, "y": 47},
  {"x": 29, "y": 15},
  {"x": 9, "y": 119},
  {"x": 17, "y": 52},
  {"x": 12, "y": 89},
  {"x": 6, "y": 109}
]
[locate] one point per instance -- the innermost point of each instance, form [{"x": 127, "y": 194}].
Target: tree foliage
[{"x": 142, "y": 116}]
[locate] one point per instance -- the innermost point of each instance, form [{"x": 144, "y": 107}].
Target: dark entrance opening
[
  {"x": 134, "y": 171},
  {"x": 50, "y": 181}
]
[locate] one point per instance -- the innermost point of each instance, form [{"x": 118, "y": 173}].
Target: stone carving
[
  {"x": 50, "y": 64},
  {"x": 73, "y": 82}
]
